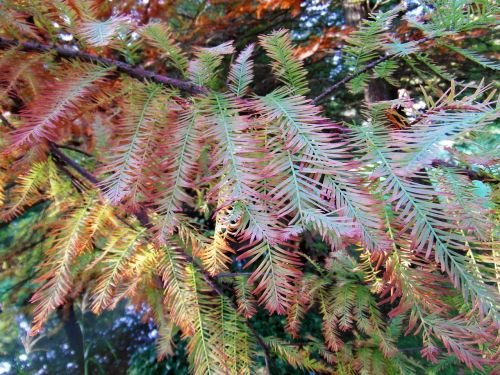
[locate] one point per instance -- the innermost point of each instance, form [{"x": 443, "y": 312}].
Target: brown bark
[{"x": 355, "y": 11}]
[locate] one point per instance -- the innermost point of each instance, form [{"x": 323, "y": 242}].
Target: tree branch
[
  {"x": 82, "y": 171},
  {"x": 75, "y": 149},
  {"x": 135, "y": 72},
  {"x": 143, "y": 218},
  {"x": 54, "y": 150},
  {"x": 232, "y": 274},
  {"x": 473, "y": 175},
  {"x": 6, "y": 122},
  {"x": 326, "y": 93}
]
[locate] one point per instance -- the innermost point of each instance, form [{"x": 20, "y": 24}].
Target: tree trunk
[
  {"x": 74, "y": 335},
  {"x": 355, "y": 11}
]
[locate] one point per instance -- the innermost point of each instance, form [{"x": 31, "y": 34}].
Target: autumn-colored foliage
[{"x": 184, "y": 191}]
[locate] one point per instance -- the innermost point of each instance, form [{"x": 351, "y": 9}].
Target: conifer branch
[
  {"x": 143, "y": 218},
  {"x": 280, "y": 172},
  {"x": 143, "y": 74},
  {"x": 135, "y": 72}
]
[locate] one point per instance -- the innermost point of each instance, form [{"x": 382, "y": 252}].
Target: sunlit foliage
[{"x": 406, "y": 234}]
